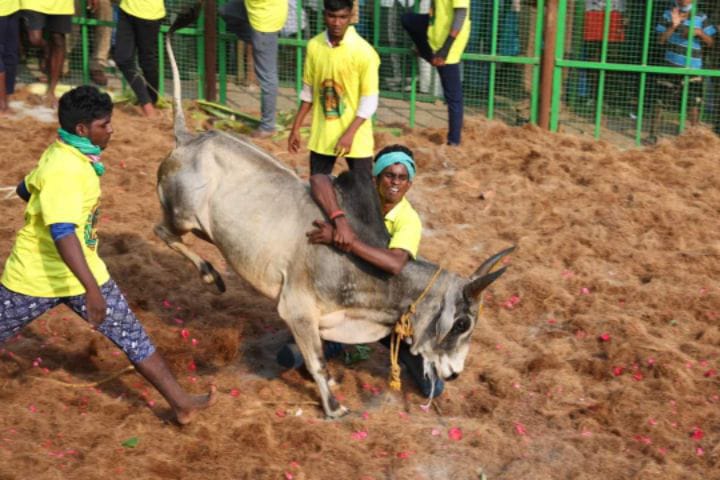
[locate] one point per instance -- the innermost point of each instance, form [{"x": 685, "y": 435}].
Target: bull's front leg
[{"x": 307, "y": 337}]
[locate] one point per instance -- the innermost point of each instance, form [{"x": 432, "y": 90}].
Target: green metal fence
[
  {"x": 608, "y": 63},
  {"x": 620, "y": 80}
]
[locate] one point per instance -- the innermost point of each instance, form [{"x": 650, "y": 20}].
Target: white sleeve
[
  {"x": 367, "y": 107},
  {"x": 306, "y": 95}
]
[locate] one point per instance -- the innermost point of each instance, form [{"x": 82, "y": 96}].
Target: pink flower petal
[
  {"x": 194, "y": 342},
  {"x": 617, "y": 371},
  {"x": 185, "y": 333},
  {"x": 637, "y": 376},
  {"x": 365, "y": 415},
  {"x": 455, "y": 434},
  {"x": 289, "y": 476},
  {"x": 435, "y": 432},
  {"x": 191, "y": 366},
  {"x": 359, "y": 435},
  {"x": 584, "y": 291},
  {"x": 700, "y": 451},
  {"x": 520, "y": 429},
  {"x": 697, "y": 434},
  {"x": 234, "y": 392},
  {"x": 166, "y": 304},
  {"x": 604, "y": 337},
  {"x": 404, "y": 454}
]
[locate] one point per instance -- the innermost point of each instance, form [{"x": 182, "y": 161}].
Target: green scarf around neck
[{"x": 86, "y": 147}]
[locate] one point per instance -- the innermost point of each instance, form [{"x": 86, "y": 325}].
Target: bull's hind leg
[{"x": 174, "y": 241}]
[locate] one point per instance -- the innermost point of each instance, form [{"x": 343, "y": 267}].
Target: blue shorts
[{"x": 120, "y": 326}]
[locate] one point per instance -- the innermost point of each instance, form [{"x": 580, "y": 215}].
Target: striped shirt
[{"x": 677, "y": 44}]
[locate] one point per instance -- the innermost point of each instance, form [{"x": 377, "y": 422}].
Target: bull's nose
[{"x": 453, "y": 376}]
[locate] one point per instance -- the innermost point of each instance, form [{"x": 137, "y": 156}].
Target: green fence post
[
  {"x": 600, "y": 100},
  {"x": 643, "y": 75},
  {"x": 535, "y": 87},
  {"x": 200, "y": 51},
  {"x": 688, "y": 58},
  {"x": 493, "y": 64},
  {"x": 222, "y": 57},
  {"x": 161, "y": 63},
  {"x": 299, "y": 52},
  {"x": 557, "y": 77}
]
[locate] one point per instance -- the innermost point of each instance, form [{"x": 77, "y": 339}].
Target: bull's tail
[{"x": 183, "y": 19}]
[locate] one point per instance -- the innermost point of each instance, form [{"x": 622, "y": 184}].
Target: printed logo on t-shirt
[
  {"x": 90, "y": 230},
  {"x": 332, "y": 99}
]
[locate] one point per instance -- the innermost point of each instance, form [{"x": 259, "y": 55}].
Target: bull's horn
[
  {"x": 491, "y": 262},
  {"x": 476, "y": 286}
]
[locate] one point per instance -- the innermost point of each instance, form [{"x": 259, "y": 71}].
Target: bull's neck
[{"x": 413, "y": 280}]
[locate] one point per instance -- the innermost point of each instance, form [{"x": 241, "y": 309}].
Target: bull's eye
[{"x": 460, "y": 326}]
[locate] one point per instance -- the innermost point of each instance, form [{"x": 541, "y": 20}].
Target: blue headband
[{"x": 391, "y": 158}]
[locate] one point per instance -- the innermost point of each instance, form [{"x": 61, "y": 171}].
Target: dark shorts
[
  {"x": 668, "y": 89},
  {"x": 320, "y": 163},
  {"x": 52, "y": 23}
]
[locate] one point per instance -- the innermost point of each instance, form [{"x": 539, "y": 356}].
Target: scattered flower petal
[
  {"x": 185, "y": 333},
  {"x": 617, "y": 371},
  {"x": 697, "y": 434},
  {"x": 604, "y": 337},
  {"x": 637, "y": 376},
  {"x": 520, "y": 429},
  {"x": 700, "y": 451},
  {"x": 234, "y": 392},
  {"x": 584, "y": 291},
  {"x": 435, "y": 432},
  {"x": 191, "y": 366},
  {"x": 405, "y": 454},
  {"x": 359, "y": 435},
  {"x": 455, "y": 434}
]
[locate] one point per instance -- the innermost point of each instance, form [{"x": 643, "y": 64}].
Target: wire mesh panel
[{"x": 641, "y": 69}]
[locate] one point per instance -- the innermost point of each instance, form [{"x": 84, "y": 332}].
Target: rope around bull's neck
[{"x": 403, "y": 329}]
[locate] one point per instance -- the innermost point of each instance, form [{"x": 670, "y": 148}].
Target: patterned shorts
[{"x": 120, "y": 326}]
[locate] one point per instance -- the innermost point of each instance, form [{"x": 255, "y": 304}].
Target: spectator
[
  {"x": 440, "y": 38},
  {"x": 258, "y": 22},
  {"x": 137, "y": 32},
  {"x": 55, "y": 19},
  {"x": 9, "y": 50},
  {"x": 340, "y": 85},
  {"x": 103, "y": 11},
  {"x": 674, "y": 32}
]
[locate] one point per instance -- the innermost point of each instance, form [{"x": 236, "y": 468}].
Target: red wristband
[{"x": 336, "y": 214}]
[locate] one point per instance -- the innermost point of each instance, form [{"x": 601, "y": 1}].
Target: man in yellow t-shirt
[
  {"x": 9, "y": 49},
  {"x": 440, "y": 38},
  {"x": 137, "y": 31},
  {"x": 258, "y": 22},
  {"x": 55, "y": 18},
  {"x": 340, "y": 86},
  {"x": 54, "y": 259}
]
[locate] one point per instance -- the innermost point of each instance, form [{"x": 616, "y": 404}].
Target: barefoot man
[{"x": 55, "y": 258}]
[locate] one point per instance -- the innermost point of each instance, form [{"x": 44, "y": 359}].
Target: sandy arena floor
[{"x": 596, "y": 357}]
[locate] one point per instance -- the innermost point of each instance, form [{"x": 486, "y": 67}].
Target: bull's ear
[
  {"x": 491, "y": 262},
  {"x": 474, "y": 287}
]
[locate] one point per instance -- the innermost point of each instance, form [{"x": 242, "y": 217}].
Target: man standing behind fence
[
  {"x": 440, "y": 38},
  {"x": 340, "y": 85},
  {"x": 55, "y": 19},
  {"x": 137, "y": 31},
  {"x": 9, "y": 46},
  {"x": 259, "y": 22},
  {"x": 674, "y": 32}
]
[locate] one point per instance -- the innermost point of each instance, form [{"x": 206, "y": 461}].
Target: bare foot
[
  {"x": 149, "y": 110},
  {"x": 52, "y": 100},
  {"x": 196, "y": 403}
]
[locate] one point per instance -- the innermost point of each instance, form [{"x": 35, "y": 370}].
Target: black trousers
[
  {"x": 320, "y": 163},
  {"x": 137, "y": 35}
]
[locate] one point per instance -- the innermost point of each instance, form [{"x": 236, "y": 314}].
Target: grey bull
[{"x": 227, "y": 191}]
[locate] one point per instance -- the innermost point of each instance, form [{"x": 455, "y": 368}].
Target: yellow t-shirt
[
  {"x": 50, "y": 7},
  {"x": 404, "y": 226},
  {"x": 64, "y": 189},
  {"x": 8, "y": 7},
  {"x": 145, "y": 9},
  {"x": 339, "y": 76},
  {"x": 267, "y": 15},
  {"x": 441, "y": 16}
]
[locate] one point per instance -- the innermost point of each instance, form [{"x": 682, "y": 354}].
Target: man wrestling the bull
[{"x": 393, "y": 171}]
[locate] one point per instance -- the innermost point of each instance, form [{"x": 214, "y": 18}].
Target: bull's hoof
[
  {"x": 210, "y": 275},
  {"x": 339, "y": 412}
]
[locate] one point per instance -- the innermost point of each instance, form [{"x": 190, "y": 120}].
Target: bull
[{"x": 227, "y": 191}]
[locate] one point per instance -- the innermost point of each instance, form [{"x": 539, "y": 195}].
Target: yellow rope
[{"x": 403, "y": 329}]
